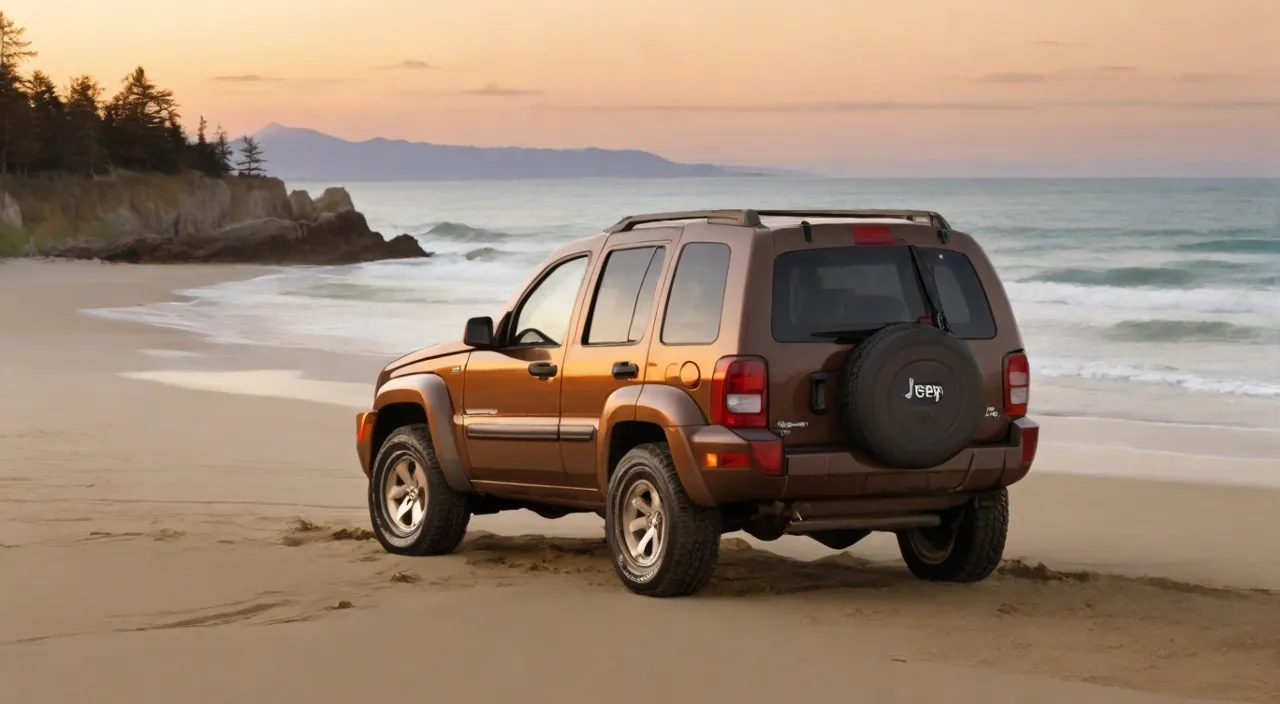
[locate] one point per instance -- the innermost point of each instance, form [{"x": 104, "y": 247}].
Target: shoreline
[{"x": 1052, "y": 396}]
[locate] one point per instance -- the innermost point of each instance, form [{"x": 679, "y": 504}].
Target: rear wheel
[
  {"x": 412, "y": 507},
  {"x": 661, "y": 544},
  {"x": 967, "y": 547}
]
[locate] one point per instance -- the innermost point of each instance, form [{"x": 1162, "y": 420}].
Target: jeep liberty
[{"x": 825, "y": 373}]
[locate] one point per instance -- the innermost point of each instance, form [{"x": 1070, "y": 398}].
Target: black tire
[
  {"x": 690, "y": 544},
  {"x": 910, "y": 432},
  {"x": 966, "y": 548},
  {"x": 444, "y": 521}
]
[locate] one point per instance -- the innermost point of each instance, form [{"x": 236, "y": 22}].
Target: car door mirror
[{"x": 479, "y": 333}]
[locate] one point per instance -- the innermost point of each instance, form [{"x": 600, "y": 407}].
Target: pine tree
[
  {"x": 251, "y": 160},
  {"x": 13, "y": 48},
  {"x": 16, "y": 146},
  {"x": 140, "y": 119},
  {"x": 51, "y": 130},
  {"x": 84, "y": 125},
  {"x": 223, "y": 152}
]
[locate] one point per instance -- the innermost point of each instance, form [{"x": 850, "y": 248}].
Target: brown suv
[{"x": 684, "y": 375}]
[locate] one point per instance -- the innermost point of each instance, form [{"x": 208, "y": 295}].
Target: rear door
[
  {"x": 611, "y": 347},
  {"x": 828, "y": 282}
]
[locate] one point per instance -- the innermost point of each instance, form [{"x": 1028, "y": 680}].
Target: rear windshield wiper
[
  {"x": 851, "y": 332},
  {"x": 925, "y": 275}
]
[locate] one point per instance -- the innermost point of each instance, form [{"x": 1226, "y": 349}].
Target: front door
[{"x": 511, "y": 407}]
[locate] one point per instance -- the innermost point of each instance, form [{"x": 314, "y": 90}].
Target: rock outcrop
[
  {"x": 330, "y": 239},
  {"x": 187, "y": 218}
]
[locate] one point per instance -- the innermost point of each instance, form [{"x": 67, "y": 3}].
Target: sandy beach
[{"x": 186, "y": 520}]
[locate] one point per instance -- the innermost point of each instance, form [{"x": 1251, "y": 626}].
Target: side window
[
  {"x": 624, "y": 296},
  {"x": 697, "y": 295},
  {"x": 543, "y": 318}
]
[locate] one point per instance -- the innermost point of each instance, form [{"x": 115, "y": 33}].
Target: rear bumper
[{"x": 838, "y": 473}]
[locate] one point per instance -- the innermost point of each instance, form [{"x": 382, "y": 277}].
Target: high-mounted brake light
[
  {"x": 1017, "y": 384},
  {"x": 739, "y": 393},
  {"x": 873, "y": 235}
]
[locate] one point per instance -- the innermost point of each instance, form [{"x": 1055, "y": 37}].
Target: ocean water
[{"x": 1159, "y": 283}]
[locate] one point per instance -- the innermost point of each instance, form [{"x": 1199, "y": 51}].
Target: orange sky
[{"x": 1053, "y": 85}]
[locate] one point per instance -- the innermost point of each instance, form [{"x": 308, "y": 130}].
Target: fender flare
[
  {"x": 671, "y": 409},
  {"x": 430, "y": 392}
]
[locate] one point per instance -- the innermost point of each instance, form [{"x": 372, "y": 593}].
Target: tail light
[
  {"x": 1017, "y": 384},
  {"x": 739, "y": 393},
  {"x": 873, "y": 235}
]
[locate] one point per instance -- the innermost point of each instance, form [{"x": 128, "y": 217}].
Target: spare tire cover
[{"x": 910, "y": 396}]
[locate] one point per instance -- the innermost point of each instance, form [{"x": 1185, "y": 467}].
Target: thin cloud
[
  {"x": 1013, "y": 77},
  {"x": 871, "y": 106},
  {"x": 410, "y": 65},
  {"x": 247, "y": 78},
  {"x": 493, "y": 90},
  {"x": 260, "y": 78},
  {"x": 1208, "y": 77}
]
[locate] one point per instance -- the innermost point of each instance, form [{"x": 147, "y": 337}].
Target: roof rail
[
  {"x": 925, "y": 216},
  {"x": 742, "y": 218}
]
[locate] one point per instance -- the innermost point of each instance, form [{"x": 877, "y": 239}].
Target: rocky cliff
[{"x": 187, "y": 218}]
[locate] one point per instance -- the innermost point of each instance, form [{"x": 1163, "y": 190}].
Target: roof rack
[
  {"x": 927, "y": 217},
  {"x": 751, "y": 218},
  {"x": 742, "y": 218}
]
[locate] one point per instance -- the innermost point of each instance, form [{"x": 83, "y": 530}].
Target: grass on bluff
[{"x": 12, "y": 244}]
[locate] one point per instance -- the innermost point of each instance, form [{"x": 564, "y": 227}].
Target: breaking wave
[
  {"x": 1107, "y": 371},
  {"x": 1190, "y": 331},
  {"x": 1239, "y": 245},
  {"x": 1198, "y": 300},
  {"x": 1122, "y": 277},
  {"x": 464, "y": 233}
]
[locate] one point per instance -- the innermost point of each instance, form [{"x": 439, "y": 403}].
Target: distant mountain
[{"x": 295, "y": 153}]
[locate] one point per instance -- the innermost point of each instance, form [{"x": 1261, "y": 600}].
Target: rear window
[{"x": 856, "y": 288}]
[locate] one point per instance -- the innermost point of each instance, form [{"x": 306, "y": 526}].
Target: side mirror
[{"x": 479, "y": 333}]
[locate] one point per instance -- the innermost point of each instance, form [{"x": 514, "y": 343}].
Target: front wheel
[
  {"x": 967, "y": 547},
  {"x": 412, "y": 507},
  {"x": 661, "y": 544}
]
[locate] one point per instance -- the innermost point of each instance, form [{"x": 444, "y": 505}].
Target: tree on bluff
[
  {"x": 45, "y": 130},
  {"x": 251, "y": 160}
]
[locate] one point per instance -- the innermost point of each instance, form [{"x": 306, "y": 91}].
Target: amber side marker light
[
  {"x": 364, "y": 426},
  {"x": 765, "y": 456}
]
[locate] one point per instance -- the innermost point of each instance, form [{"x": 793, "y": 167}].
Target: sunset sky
[{"x": 903, "y": 87}]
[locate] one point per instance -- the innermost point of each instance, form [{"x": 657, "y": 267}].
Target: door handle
[
  {"x": 818, "y": 392},
  {"x": 542, "y": 370},
  {"x": 625, "y": 370}
]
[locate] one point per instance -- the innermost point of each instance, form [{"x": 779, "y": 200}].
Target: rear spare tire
[{"x": 910, "y": 396}]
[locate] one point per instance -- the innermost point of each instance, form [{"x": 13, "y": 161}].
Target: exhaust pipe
[{"x": 818, "y": 525}]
